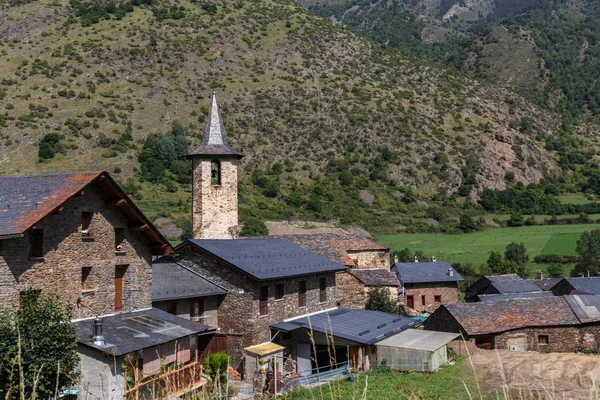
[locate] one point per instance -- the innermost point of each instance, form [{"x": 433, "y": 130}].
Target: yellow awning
[{"x": 264, "y": 349}]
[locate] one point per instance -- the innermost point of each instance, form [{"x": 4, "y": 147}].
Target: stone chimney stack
[
  {"x": 214, "y": 182},
  {"x": 433, "y": 259},
  {"x": 539, "y": 275},
  {"x": 450, "y": 272},
  {"x": 416, "y": 259},
  {"x": 395, "y": 259}
]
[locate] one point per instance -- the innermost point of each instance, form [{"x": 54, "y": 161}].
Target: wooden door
[
  {"x": 210, "y": 344},
  {"x": 354, "y": 356},
  {"x": 410, "y": 302},
  {"x": 119, "y": 273}
]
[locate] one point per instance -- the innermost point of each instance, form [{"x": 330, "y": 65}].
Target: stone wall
[
  {"x": 66, "y": 252},
  {"x": 443, "y": 321},
  {"x": 214, "y": 207},
  {"x": 350, "y": 291},
  {"x": 370, "y": 258},
  {"x": 560, "y": 339},
  {"x": 182, "y": 309},
  {"x": 238, "y": 313},
  {"x": 448, "y": 292}
]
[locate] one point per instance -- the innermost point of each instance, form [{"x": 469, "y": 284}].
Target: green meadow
[{"x": 474, "y": 248}]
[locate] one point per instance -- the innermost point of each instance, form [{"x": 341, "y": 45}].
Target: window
[
  {"x": 279, "y": 291},
  {"x": 437, "y": 298},
  {"x": 196, "y": 309},
  {"x": 119, "y": 238},
  {"x": 86, "y": 219},
  {"x": 322, "y": 290},
  {"x": 543, "y": 339},
  {"x": 85, "y": 273},
  {"x": 263, "y": 301},
  {"x": 36, "y": 243},
  {"x": 423, "y": 302},
  {"x": 301, "y": 293},
  {"x": 215, "y": 172}
]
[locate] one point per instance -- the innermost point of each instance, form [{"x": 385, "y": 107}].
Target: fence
[{"x": 172, "y": 382}]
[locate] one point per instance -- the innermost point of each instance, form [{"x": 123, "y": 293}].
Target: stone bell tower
[{"x": 214, "y": 182}]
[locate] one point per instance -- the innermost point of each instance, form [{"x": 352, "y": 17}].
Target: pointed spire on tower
[{"x": 214, "y": 140}]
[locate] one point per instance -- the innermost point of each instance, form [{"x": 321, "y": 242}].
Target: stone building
[
  {"x": 424, "y": 286},
  {"x": 215, "y": 182},
  {"x": 500, "y": 284},
  {"x": 551, "y": 324},
  {"x": 79, "y": 236},
  {"x": 580, "y": 285},
  {"x": 267, "y": 280}
]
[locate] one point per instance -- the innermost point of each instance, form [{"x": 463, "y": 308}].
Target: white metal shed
[{"x": 416, "y": 350}]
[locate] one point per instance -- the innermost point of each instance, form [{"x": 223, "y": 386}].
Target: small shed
[
  {"x": 262, "y": 354},
  {"x": 416, "y": 350}
]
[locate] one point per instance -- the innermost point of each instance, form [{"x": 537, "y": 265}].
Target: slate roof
[
  {"x": 503, "y": 278},
  {"x": 511, "y": 296},
  {"x": 585, "y": 307},
  {"x": 214, "y": 140},
  {"x": 129, "y": 332},
  {"x": 422, "y": 272},
  {"x": 521, "y": 286},
  {"x": 266, "y": 258},
  {"x": 360, "y": 326},
  {"x": 484, "y": 318},
  {"x": 171, "y": 281},
  {"x": 26, "y": 199},
  {"x": 585, "y": 285},
  {"x": 375, "y": 277},
  {"x": 546, "y": 284},
  {"x": 334, "y": 246}
]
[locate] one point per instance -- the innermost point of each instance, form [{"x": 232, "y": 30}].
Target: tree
[
  {"x": 404, "y": 255},
  {"x": 588, "y": 248},
  {"x": 466, "y": 223},
  {"x": 41, "y": 328},
  {"x": 499, "y": 266},
  {"x": 379, "y": 300},
  {"x": 515, "y": 220},
  {"x": 516, "y": 252},
  {"x": 555, "y": 270},
  {"x": 254, "y": 227}
]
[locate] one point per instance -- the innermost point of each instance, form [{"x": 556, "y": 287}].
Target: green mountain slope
[{"x": 304, "y": 99}]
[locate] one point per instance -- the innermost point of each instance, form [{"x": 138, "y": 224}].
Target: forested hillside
[{"x": 333, "y": 126}]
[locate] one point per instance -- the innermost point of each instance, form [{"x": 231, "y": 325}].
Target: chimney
[
  {"x": 539, "y": 275},
  {"x": 581, "y": 275},
  {"x": 395, "y": 259},
  {"x": 450, "y": 272},
  {"x": 589, "y": 273},
  {"x": 98, "y": 339},
  {"x": 433, "y": 259},
  {"x": 416, "y": 259}
]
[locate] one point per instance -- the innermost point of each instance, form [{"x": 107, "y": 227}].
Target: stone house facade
[
  {"x": 292, "y": 286},
  {"x": 81, "y": 239}
]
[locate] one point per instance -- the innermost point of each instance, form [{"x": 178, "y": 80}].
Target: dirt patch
[
  {"x": 304, "y": 227},
  {"x": 536, "y": 375}
]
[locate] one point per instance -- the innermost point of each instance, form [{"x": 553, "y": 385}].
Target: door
[
  {"x": 354, "y": 356},
  {"x": 119, "y": 274},
  {"x": 410, "y": 302},
  {"x": 304, "y": 365}
]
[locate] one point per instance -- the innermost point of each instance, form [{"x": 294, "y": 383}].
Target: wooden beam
[
  {"x": 116, "y": 202},
  {"x": 139, "y": 227}
]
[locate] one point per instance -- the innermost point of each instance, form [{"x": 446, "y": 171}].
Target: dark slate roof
[
  {"x": 128, "y": 332},
  {"x": 546, "y": 284},
  {"x": 214, "y": 141},
  {"x": 515, "y": 287},
  {"x": 586, "y": 285},
  {"x": 511, "y": 296},
  {"x": 25, "y": 200},
  {"x": 266, "y": 258},
  {"x": 425, "y": 272},
  {"x": 361, "y": 326},
  {"x": 484, "y": 318},
  {"x": 171, "y": 281},
  {"x": 503, "y": 278},
  {"x": 585, "y": 307},
  {"x": 334, "y": 246},
  {"x": 376, "y": 277}
]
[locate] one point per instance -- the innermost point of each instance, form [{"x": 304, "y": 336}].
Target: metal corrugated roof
[
  {"x": 585, "y": 307},
  {"x": 267, "y": 258},
  {"x": 265, "y": 349},
  {"x": 171, "y": 281},
  {"x": 422, "y": 272},
  {"x": 360, "y": 326},
  {"x": 416, "y": 339}
]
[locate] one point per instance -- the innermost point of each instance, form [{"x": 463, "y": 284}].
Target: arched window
[{"x": 215, "y": 172}]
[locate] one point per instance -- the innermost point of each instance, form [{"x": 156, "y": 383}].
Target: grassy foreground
[
  {"x": 474, "y": 248},
  {"x": 450, "y": 382}
]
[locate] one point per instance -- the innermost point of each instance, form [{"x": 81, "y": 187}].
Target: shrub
[
  {"x": 253, "y": 227},
  {"x": 216, "y": 365}
]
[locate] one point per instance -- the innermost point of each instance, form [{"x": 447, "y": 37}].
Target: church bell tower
[{"x": 214, "y": 182}]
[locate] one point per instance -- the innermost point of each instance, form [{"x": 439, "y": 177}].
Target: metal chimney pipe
[
  {"x": 450, "y": 272},
  {"x": 98, "y": 339},
  {"x": 395, "y": 259}
]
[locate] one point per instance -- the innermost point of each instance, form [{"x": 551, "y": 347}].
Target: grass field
[
  {"x": 447, "y": 383},
  {"x": 539, "y": 217},
  {"x": 474, "y": 248},
  {"x": 574, "y": 199}
]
